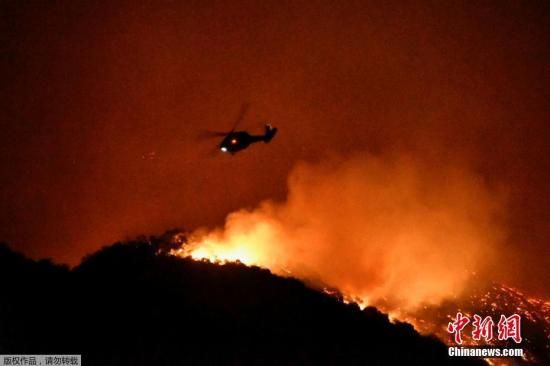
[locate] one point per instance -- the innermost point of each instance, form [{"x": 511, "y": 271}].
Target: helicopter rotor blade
[
  {"x": 240, "y": 116},
  {"x": 207, "y": 134}
]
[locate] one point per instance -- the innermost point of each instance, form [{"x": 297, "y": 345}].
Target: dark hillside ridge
[{"x": 129, "y": 305}]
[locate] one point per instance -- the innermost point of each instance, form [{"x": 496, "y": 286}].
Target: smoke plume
[{"x": 381, "y": 229}]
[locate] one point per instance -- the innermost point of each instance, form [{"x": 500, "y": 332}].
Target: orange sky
[{"x": 90, "y": 89}]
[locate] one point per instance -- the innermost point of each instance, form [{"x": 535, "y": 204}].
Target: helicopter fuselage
[{"x": 236, "y": 141}]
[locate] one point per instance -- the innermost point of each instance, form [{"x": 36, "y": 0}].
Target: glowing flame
[
  {"x": 392, "y": 233},
  {"x": 495, "y": 300},
  {"x": 389, "y": 232}
]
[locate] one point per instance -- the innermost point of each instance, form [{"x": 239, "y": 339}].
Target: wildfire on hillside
[
  {"x": 493, "y": 301},
  {"x": 389, "y": 232}
]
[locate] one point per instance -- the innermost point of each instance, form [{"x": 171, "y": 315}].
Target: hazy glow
[{"x": 380, "y": 230}]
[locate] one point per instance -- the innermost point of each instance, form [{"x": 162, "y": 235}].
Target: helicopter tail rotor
[{"x": 270, "y": 132}]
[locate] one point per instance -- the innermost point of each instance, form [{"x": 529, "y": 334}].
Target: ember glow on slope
[
  {"x": 492, "y": 300},
  {"x": 382, "y": 230}
]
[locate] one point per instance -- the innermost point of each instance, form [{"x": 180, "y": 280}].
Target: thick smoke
[{"x": 389, "y": 230}]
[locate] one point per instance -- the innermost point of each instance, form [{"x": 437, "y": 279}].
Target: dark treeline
[{"x": 129, "y": 305}]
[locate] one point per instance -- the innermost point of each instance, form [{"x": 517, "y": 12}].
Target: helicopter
[{"x": 235, "y": 141}]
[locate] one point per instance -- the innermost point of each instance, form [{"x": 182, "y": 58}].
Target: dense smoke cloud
[{"x": 383, "y": 229}]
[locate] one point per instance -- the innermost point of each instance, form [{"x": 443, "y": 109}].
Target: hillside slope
[{"x": 127, "y": 305}]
